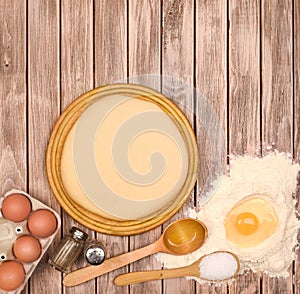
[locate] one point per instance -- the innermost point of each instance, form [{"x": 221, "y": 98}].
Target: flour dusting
[{"x": 274, "y": 179}]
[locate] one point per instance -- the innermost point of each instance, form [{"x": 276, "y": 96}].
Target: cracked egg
[{"x": 250, "y": 222}]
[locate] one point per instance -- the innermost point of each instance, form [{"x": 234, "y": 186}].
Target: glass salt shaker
[{"x": 68, "y": 250}]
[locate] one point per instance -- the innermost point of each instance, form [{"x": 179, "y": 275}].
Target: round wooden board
[{"x": 60, "y": 132}]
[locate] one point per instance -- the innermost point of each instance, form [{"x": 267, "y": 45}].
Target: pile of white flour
[{"x": 275, "y": 177}]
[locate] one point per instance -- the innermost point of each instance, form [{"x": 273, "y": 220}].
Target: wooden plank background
[{"x": 241, "y": 55}]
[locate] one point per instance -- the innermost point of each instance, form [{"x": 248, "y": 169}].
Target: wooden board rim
[{"x": 55, "y": 146}]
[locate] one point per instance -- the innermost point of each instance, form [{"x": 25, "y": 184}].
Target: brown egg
[
  {"x": 12, "y": 275},
  {"x": 16, "y": 207},
  {"x": 27, "y": 249},
  {"x": 42, "y": 223}
]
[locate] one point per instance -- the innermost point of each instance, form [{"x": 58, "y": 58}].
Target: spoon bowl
[
  {"x": 181, "y": 237},
  {"x": 184, "y": 236},
  {"x": 215, "y": 273}
]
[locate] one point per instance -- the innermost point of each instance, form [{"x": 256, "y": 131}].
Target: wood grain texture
[
  {"x": 143, "y": 59},
  {"x": 43, "y": 110},
  {"x": 177, "y": 84},
  {"x": 77, "y": 37},
  {"x": 296, "y": 51},
  {"x": 93, "y": 51},
  {"x": 248, "y": 283},
  {"x": 13, "y": 157},
  {"x": 296, "y": 83},
  {"x": 244, "y": 76},
  {"x": 110, "y": 65},
  {"x": 144, "y": 46},
  {"x": 277, "y": 75},
  {"x": 13, "y": 102},
  {"x": 210, "y": 65},
  {"x": 77, "y": 77},
  {"x": 296, "y": 94},
  {"x": 211, "y": 107},
  {"x": 277, "y": 100},
  {"x": 110, "y": 41},
  {"x": 244, "y": 97}
]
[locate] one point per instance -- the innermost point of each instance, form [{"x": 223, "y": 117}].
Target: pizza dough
[{"x": 124, "y": 158}]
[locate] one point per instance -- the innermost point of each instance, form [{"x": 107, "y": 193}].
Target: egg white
[{"x": 274, "y": 178}]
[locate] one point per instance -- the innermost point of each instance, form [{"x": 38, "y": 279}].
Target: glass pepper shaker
[{"x": 68, "y": 250}]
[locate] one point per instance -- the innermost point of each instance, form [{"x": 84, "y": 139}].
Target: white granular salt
[
  {"x": 218, "y": 266},
  {"x": 275, "y": 178}
]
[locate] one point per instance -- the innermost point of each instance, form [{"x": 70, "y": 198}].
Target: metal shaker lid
[
  {"x": 78, "y": 234},
  {"x": 95, "y": 254}
]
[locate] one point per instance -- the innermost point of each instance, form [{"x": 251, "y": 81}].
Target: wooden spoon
[
  {"x": 180, "y": 237},
  {"x": 190, "y": 270}
]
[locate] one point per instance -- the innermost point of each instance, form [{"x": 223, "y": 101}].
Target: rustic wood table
[{"x": 242, "y": 55}]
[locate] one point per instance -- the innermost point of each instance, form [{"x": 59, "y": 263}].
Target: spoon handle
[
  {"x": 144, "y": 276},
  {"x": 88, "y": 273}
]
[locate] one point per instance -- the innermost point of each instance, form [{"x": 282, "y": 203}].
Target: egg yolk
[
  {"x": 250, "y": 222},
  {"x": 247, "y": 223}
]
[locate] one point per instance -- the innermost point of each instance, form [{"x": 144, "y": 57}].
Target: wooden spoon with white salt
[{"x": 217, "y": 266}]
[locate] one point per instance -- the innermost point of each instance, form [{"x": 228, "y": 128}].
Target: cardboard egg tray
[{"x": 10, "y": 231}]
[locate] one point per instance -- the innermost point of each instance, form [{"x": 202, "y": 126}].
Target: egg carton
[{"x": 10, "y": 231}]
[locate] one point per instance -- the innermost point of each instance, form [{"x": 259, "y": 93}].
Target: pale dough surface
[{"x": 128, "y": 160}]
